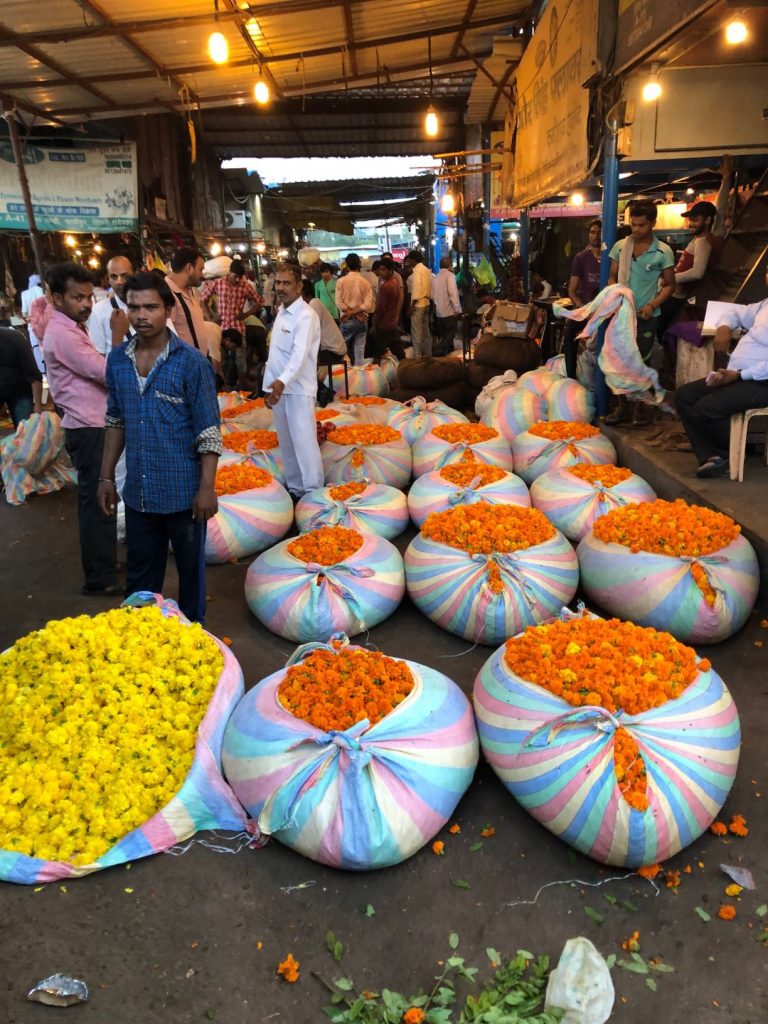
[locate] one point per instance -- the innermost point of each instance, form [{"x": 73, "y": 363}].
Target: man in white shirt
[
  {"x": 109, "y": 318},
  {"x": 355, "y": 300},
  {"x": 31, "y": 292},
  {"x": 737, "y": 383},
  {"x": 445, "y": 295},
  {"x": 420, "y": 291},
  {"x": 290, "y": 380}
]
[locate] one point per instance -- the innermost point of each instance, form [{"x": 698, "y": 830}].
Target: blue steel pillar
[
  {"x": 524, "y": 246},
  {"x": 610, "y": 216}
]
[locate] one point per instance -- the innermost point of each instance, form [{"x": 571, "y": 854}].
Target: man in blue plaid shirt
[{"x": 162, "y": 409}]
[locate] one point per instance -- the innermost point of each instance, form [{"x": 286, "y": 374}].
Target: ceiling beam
[
  {"x": 350, "y": 33},
  {"x": 470, "y": 10},
  {"x": 500, "y": 89},
  {"x": 484, "y": 70},
  {"x": 9, "y": 102}
]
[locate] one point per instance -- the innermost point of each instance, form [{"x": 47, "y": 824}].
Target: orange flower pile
[
  {"x": 334, "y": 691},
  {"x": 364, "y": 400},
  {"x": 649, "y": 870},
  {"x": 727, "y": 912},
  {"x": 321, "y": 415},
  {"x": 608, "y": 476},
  {"x": 438, "y": 848},
  {"x": 463, "y": 473},
  {"x": 466, "y": 433},
  {"x": 289, "y": 969},
  {"x": 233, "y": 479},
  {"x": 415, "y": 1015},
  {"x": 632, "y": 944},
  {"x": 365, "y": 434},
  {"x": 260, "y": 439},
  {"x": 717, "y": 828},
  {"x": 344, "y": 491},
  {"x": 738, "y": 826},
  {"x": 611, "y": 664},
  {"x": 563, "y": 430},
  {"x": 671, "y": 528},
  {"x": 327, "y": 545},
  {"x": 238, "y": 410}
]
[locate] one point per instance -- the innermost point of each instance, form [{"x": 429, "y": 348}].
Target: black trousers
[
  {"x": 148, "y": 535},
  {"x": 446, "y": 331},
  {"x": 571, "y": 330},
  {"x": 98, "y": 533},
  {"x": 387, "y": 338},
  {"x": 706, "y": 412}
]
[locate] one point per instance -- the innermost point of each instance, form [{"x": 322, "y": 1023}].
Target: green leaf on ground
[
  {"x": 610, "y": 961},
  {"x": 475, "y": 847},
  {"x": 610, "y": 899},
  {"x": 525, "y": 954},
  {"x": 593, "y": 915},
  {"x": 703, "y": 914},
  {"x": 627, "y": 905},
  {"x": 633, "y": 966},
  {"x": 453, "y": 940},
  {"x": 650, "y": 982},
  {"x": 762, "y": 910},
  {"x": 344, "y": 984},
  {"x": 338, "y": 951},
  {"x": 460, "y": 883},
  {"x": 662, "y": 968},
  {"x": 370, "y": 910},
  {"x": 330, "y": 941},
  {"x": 493, "y": 955}
]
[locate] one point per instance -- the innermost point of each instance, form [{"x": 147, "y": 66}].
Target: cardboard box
[{"x": 511, "y": 319}]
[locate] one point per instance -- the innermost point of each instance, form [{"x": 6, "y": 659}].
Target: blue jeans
[
  {"x": 20, "y": 408},
  {"x": 354, "y": 332}
]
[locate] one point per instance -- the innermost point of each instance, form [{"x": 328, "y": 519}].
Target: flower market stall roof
[{"x": 346, "y": 76}]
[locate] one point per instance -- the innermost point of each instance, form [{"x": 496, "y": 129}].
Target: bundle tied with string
[
  {"x": 365, "y": 408},
  {"x": 456, "y": 442},
  {"x": 259, "y": 448},
  {"x": 464, "y": 483},
  {"x": 249, "y": 520},
  {"x": 368, "y": 379},
  {"x": 364, "y": 505},
  {"x": 418, "y": 416},
  {"x": 366, "y": 452},
  {"x": 559, "y": 444},
  {"x": 624, "y": 788},
  {"x": 356, "y": 796},
  {"x": 331, "y": 579},
  {"x": 674, "y": 566}
]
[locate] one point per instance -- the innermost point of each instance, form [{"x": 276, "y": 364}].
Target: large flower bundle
[
  {"x": 350, "y": 757},
  {"x": 366, "y": 408},
  {"x": 260, "y": 448},
  {"x": 110, "y": 740},
  {"x": 254, "y": 512},
  {"x": 513, "y": 410},
  {"x": 669, "y": 564},
  {"x": 569, "y": 400},
  {"x": 331, "y": 579},
  {"x": 361, "y": 505},
  {"x": 575, "y": 497},
  {"x": 334, "y": 418},
  {"x": 453, "y": 442},
  {"x": 246, "y": 415},
  {"x": 367, "y": 379},
  {"x": 558, "y": 444},
  {"x": 464, "y": 483},
  {"x": 229, "y": 399},
  {"x": 494, "y": 387},
  {"x": 486, "y": 571},
  {"x": 417, "y": 417},
  {"x": 537, "y": 396},
  {"x": 367, "y": 452},
  {"x": 614, "y": 736}
]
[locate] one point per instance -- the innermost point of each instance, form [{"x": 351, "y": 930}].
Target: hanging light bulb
[
  {"x": 93, "y": 262},
  {"x": 431, "y": 123},
  {"x": 448, "y": 204},
  {"x": 70, "y": 241},
  {"x": 215, "y": 248},
  {"x": 577, "y": 199},
  {"x": 736, "y": 32},
  {"x": 218, "y": 48},
  {"x": 652, "y": 88},
  {"x": 261, "y": 92}
]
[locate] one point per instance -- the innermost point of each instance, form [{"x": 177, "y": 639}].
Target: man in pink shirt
[
  {"x": 76, "y": 373},
  {"x": 354, "y": 298}
]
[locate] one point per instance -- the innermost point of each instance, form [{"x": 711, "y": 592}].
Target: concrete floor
[{"x": 182, "y": 947}]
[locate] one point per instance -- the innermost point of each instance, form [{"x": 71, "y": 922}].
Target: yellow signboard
[{"x": 552, "y": 104}]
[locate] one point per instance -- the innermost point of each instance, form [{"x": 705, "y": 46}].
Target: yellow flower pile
[{"x": 98, "y": 721}]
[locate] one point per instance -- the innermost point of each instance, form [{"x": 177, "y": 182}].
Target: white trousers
[{"x": 294, "y": 419}]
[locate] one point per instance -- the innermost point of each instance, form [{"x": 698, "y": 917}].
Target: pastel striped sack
[
  {"x": 534, "y": 455},
  {"x": 270, "y": 459},
  {"x": 659, "y": 590},
  {"x": 493, "y": 389},
  {"x": 368, "y": 797},
  {"x": 378, "y": 509},
  {"x": 432, "y": 452},
  {"x": 377, "y": 413},
  {"x": 568, "y": 400},
  {"x": 33, "y": 460},
  {"x": 247, "y": 522},
  {"x": 367, "y": 379},
  {"x": 418, "y": 416},
  {"x": 388, "y": 463},
  {"x": 557, "y": 761},
  {"x": 303, "y": 601},
  {"x": 539, "y": 380},
  {"x": 514, "y": 410},
  {"x": 229, "y": 399},
  {"x": 389, "y": 364},
  {"x": 556, "y": 365},
  {"x": 333, "y": 417},
  {"x": 573, "y": 505},
  {"x": 204, "y": 801},
  {"x": 433, "y": 493},
  {"x": 451, "y": 587}
]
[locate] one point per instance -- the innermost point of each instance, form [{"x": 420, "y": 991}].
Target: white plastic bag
[{"x": 581, "y": 985}]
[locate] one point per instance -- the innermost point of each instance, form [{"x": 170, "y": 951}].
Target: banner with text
[
  {"x": 551, "y": 152},
  {"x": 643, "y": 24},
  {"x": 90, "y": 189}
]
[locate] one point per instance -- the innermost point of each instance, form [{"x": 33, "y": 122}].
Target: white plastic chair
[{"x": 738, "y": 444}]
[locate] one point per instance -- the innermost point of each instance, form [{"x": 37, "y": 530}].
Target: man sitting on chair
[{"x": 735, "y": 385}]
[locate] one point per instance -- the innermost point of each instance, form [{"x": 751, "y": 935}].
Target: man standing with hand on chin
[
  {"x": 290, "y": 380},
  {"x": 162, "y": 409}
]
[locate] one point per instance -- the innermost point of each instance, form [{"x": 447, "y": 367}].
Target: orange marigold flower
[
  {"x": 327, "y": 545},
  {"x": 649, "y": 870},
  {"x": 727, "y": 912},
  {"x": 738, "y": 826},
  {"x": 733, "y": 889},
  {"x": 563, "y": 430},
  {"x": 262, "y": 440},
  {"x": 463, "y": 473},
  {"x": 608, "y": 476},
  {"x": 687, "y": 869},
  {"x": 414, "y": 1016},
  {"x": 238, "y": 410},
  {"x": 485, "y": 529},
  {"x": 289, "y": 969},
  {"x": 717, "y": 828},
  {"x": 672, "y": 879},
  {"x": 364, "y": 434},
  {"x": 455, "y": 829},
  {"x": 344, "y": 491},
  {"x": 364, "y": 399},
  {"x": 438, "y": 847},
  {"x": 325, "y": 414},
  {"x": 488, "y": 832},
  {"x": 336, "y": 690},
  {"x": 466, "y": 433},
  {"x": 632, "y": 944},
  {"x": 240, "y": 477},
  {"x": 227, "y": 641}
]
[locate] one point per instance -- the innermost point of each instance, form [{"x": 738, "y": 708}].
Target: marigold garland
[
  {"x": 244, "y": 407},
  {"x": 672, "y": 528},
  {"x": 336, "y": 690},
  {"x": 608, "y": 476},
  {"x": 241, "y": 477},
  {"x": 464, "y": 433},
  {"x": 262, "y": 440},
  {"x": 463, "y": 473},
  {"x": 611, "y": 664},
  {"x": 351, "y": 490},
  {"x": 100, "y": 718},
  {"x": 563, "y": 430},
  {"x": 327, "y": 545}
]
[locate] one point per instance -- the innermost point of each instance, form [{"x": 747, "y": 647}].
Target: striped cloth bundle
[
  {"x": 248, "y": 522},
  {"x": 493, "y": 389},
  {"x": 556, "y": 365},
  {"x": 659, "y": 590},
  {"x": 378, "y": 509},
  {"x": 513, "y": 410},
  {"x": 33, "y": 459},
  {"x": 377, "y": 413},
  {"x": 367, "y": 379},
  {"x": 431, "y": 452},
  {"x": 389, "y": 364},
  {"x": 417, "y": 417},
  {"x": 388, "y": 463},
  {"x": 557, "y": 761},
  {"x": 452, "y": 587},
  {"x": 534, "y": 455},
  {"x": 433, "y": 493},
  {"x": 336, "y": 418},
  {"x": 258, "y": 418},
  {"x": 204, "y": 801},
  {"x": 270, "y": 459},
  {"x": 540, "y": 380},
  {"x": 568, "y": 400},
  {"x": 229, "y": 399},
  {"x": 304, "y": 601},
  {"x": 365, "y": 798},
  {"x": 573, "y": 504}
]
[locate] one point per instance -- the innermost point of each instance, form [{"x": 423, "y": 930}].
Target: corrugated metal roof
[{"x": 488, "y": 100}]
